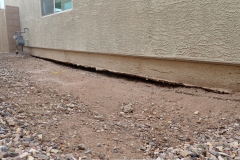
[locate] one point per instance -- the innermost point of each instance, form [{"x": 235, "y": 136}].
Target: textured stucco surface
[
  {"x": 13, "y": 2},
  {"x": 207, "y": 30}
]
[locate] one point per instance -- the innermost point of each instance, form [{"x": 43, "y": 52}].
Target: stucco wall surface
[
  {"x": 207, "y": 30},
  {"x": 12, "y": 2}
]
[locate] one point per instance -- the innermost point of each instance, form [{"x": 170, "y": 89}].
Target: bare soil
[{"x": 114, "y": 114}]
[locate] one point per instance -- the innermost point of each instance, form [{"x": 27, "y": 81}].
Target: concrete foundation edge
[{"x": 216, "y": 77}]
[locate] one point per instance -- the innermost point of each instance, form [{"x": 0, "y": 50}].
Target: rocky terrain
[{"x": 40, "y": 120}]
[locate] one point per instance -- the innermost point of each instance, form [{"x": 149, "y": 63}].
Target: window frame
[{"x": 40, "y": 1}]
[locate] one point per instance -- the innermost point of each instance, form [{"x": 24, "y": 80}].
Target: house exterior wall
[
  {"x": 12, "y": 3},
  {"x": 206, "y": 30},
  {"x": 190, "y": 42}
]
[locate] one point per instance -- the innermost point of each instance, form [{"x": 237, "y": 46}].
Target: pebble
[
  {"x": 196, "y": 112},
  {"x": 185, "y": 153},
  {"x": 54, "y": 151},
  {"x": 30, "y": 158},
  {"x": 121, "y": 113},
  {"x": 81, "y": 147},
  {"x": 70, "y": 157},
  {"x": 234, "y": 145},
  {"x": 24, "y": 155},
  {"x": 101, "y": 156},
  {"x": 12, "y": 154},
  {"x": 127, "y": 108},
  {"x": 88, "y": 151},
  {"x": 11, "y": 122},
  {"x": 42, "y": 156},
  {"x": 40, "y": 137},
  {"x": 4, "y": 148},
  {"x": 18, "y": 130}
]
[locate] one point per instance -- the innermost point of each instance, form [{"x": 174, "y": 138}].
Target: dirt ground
[{"x": 115, "y": 114}]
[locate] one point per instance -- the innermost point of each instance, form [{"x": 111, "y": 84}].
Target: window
[
  {"x": 55, "y": 6},
  {"x": 2, "y": 6}
]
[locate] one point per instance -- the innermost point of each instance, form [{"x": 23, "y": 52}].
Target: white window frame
[{"x": 40, "y": 1}]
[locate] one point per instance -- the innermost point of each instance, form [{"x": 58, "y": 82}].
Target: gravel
[{"x": 21, "y": 140}]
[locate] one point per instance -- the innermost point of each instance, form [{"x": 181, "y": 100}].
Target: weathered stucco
[{"x": 207, "y": 30}]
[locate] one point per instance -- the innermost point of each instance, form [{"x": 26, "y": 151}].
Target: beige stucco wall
[
  {"x": 207, "y": 30},
  {"x": 12, "y": 2}
]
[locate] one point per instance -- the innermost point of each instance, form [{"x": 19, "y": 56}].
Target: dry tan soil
[{"x": 114, "y": 114}]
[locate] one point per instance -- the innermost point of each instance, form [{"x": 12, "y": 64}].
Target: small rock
[
  {"x": 18, "y": 130},
  {"x": 234, "y": 145},
  {"x": 3, "y": 154},
  {"x": 42, "y": 156},
  {"x": 88, "y": 151},
  {"x": 196, "y": 112},
  {"x": 185, "y": 153},
  {"x": 12, "y": 154},
  {"x": 54, "y": 151},
  {"x": 2, "y": 122},
  {"x": 143, "y": 148},
  {"x": 214, "y": 153},
  {"x": 128, "y": 108},
  {"x": 220, "y": 148},
  {"x": 194, "y": 155},
  {"x": 99, "y": 117},
  {"x": 11, "y": 122},
  {"x": 33, "y": 151},
  {"x": 40, "y": 136},
  {"x": 81, "y": 147},
  {"x": 4, "y": 148},
  {"x": 16, "y": 139},
  {"x": 70, "y": 157},
  {"x": 121, "y": 113},
  {"x": 30, "y": 158},
  {"x": 99, "y": 145},
  {"x": 24, "y": 155},
  {"x": 223, "y": 154},
  {"x": 48, "y": 149},
  {"x": 101, "y": 156}
]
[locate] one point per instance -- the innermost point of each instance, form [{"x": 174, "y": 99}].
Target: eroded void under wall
[{"x": 218, "y": 77}]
